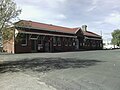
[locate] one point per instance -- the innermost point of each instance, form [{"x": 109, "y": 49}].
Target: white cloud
[
  {"x": 98, "y": 22},
  {"x": 105, "y": 5},
  {"x": 38, "y": 14},
  {"x": 61, "y": 16},
  {"x": 93, "y": 5},
  {"x": 29, "y": 12},
  {"x": 39, "y": 3},
  {"x": 94, "y": 2},
  {"x": 41, "y": 9},
  {"x": 113, "y": 18},
  {"x": 95, "y": 13},
  {"x": 91, "y": 8}
]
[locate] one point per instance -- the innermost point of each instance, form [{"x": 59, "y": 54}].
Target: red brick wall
[
  {"x": 8, "y": 46},
  {"x": 22, "y": 49}
]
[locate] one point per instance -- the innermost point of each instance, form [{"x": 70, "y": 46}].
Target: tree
[
  {"x": 8, "y": 11},
  {"x": 116, "y": 37},
  {"x": 8, "y": 33}
]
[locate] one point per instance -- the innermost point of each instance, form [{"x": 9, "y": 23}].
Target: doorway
[
  {"x": 33, "y": 45},
  {"x": 47, "y": 47}
]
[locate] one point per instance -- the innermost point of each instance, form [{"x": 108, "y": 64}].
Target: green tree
[
  {"x": 8, "y": 33},
  {"x": 116, "y": 37},
  {"x": 8, "y": 11}
]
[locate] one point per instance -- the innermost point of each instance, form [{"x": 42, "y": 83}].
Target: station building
[{"x": 32, "y": 36}]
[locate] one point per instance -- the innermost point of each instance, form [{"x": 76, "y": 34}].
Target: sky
[{"x": 101, "y": 16}]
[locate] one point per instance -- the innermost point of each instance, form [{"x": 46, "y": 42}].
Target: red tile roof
[
  {"x": 88, "y": 33},
  {"x": 51, "y": 27}
]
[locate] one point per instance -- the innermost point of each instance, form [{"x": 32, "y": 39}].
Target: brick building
[{"x": 32, "y": 36}]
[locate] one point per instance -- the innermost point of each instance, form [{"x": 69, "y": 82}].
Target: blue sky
[{"x": 98, "y": 15}]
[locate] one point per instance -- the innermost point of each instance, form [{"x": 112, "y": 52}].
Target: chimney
[{"x": 84, "y": 27}]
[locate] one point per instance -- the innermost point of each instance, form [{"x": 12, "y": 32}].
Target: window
[
  {"x": 74, "y": 43},
  {"x": 66, "y": 41},
  {"x": 59, "y": 41},
  {"x": 24, "y": 40},
  {"x": 40, "y": 40},
  {"x": 54, "y": 41},
  {"x": 88, "y": 42},
  {"x": 70, "y": 41}
]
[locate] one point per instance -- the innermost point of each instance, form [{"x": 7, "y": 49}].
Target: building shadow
[{"x": 45, "y": 64}]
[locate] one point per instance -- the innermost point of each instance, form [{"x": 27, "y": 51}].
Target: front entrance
[
  {"x": 33, "y": 45},
  {"x": 47, "y": 47}
]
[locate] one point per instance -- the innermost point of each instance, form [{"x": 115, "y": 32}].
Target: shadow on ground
[{"x": 45, "y": 64}]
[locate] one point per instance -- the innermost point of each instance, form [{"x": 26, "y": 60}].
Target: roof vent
[{"x": 84, "y": 27}]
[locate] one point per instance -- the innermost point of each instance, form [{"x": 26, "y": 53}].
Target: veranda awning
[{"x": 47, "y": 34}]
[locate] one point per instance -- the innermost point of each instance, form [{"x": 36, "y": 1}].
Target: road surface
[{"x": 83, "y": 70}]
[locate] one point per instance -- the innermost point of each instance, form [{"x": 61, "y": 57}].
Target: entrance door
[
  {"x": 33, "y": 45},
  {"x": 47, "y": 47}
]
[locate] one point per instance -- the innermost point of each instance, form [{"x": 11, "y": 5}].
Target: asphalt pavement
[{"x": 81, "y": 70}]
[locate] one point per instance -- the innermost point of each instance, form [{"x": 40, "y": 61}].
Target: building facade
[{"x": 38, "y": 37}]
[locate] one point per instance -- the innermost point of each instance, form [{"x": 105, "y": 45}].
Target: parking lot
[{"x": 81, "y": 70}]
